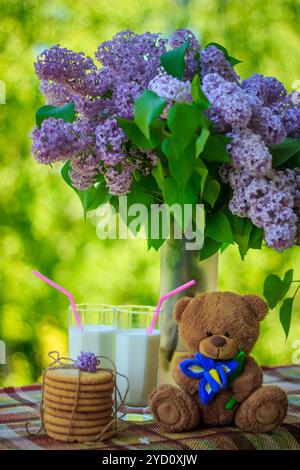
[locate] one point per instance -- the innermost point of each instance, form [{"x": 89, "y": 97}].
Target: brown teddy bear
[{"x": 220, "y": 384}]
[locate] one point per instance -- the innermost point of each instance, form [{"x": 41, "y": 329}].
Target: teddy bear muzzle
[{"x": 218, "y": 347}]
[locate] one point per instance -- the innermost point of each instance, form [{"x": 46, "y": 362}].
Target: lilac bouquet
[{"x": 166, "y": 121}]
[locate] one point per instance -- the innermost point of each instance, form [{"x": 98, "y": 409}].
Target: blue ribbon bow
[{"x": 213, "y": 374}]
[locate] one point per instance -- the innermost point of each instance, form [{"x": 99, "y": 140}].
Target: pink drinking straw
[
  {"x": 163, "y": 298},
  {"x": 63, "y": 291}
]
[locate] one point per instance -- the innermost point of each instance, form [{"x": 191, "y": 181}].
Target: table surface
[{"x": 20, "y": 405}]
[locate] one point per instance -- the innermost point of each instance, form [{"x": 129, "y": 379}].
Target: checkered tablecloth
[{"x": 19, "y": 405}]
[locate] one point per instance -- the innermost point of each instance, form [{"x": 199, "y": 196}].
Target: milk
[
  {"x": 98, "y": 339},
  {"x": 136, "y": 356}
]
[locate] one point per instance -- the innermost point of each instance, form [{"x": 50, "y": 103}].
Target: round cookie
[
  {"x": 77, "y": 438},
  {"x": 86, "y": 378},
  {"x": 103, "y": 411},
  {"x": 81, "y": 401},
  {"x": 76, "y": 431},
  {"x": 49, "y": 418},
  {"x": 73, "y": 386},
  {"x": 68, "y": 407},
  {"x": 72, "y": 393}
]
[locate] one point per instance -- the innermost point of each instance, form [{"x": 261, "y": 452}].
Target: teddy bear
[{"x": 219, "y": 383}]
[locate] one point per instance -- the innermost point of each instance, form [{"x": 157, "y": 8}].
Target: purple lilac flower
[
  {"x": 56, "y": 94},
  {"x": 56, "y": 140},
  {"x": 272, "y": 209},
  {"x": 96, "y": 83},
  {"x": 228, "y": 99},
  {"x": 110, "y": 139},
  {"x": 84, "y": 128},
  {"x": 238, "y": 204},
  {"x": 192, "y": 59},
  {"x": 239, "y": 181},
  {"x": 62, "y": 65},
  {"x": 87, "y": 361},
  {"x": 268, "y": 124},
  {"x": 81, "y": 181},
  {"x": 172, "y": 89},
  {"x": 291, "y": 114},
  {"x": 94, "y": 108},
  {"x": 124, "y": 97},
  {"x": 132, "y": 57},
  {"x": 218, "y": 123},
  {"x": 269, "y": 201},
  {"x": 250, "y": 154},
  {"x": 291, "y": 119},
  {"x": 143, "y": 160},
  {"x": 85, "y": 168},
  {"x": 269, "y": 90},
  {"x": 213, "y": 60},
  {"x": 119, "y": 181}
]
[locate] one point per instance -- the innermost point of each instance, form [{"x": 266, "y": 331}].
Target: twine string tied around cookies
[{"x": 61, "y": 362}]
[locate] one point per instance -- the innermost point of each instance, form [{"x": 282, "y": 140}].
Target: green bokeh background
[{"x": 41, "y": 223}]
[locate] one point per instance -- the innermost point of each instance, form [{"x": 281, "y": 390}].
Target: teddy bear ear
[
  {"x": 180, "y": 306},
  {"x": 258, "y": 305}
]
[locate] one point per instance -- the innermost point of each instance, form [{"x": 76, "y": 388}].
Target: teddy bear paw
[
  {"x": 174, "y": 409},
  {"x": 263, "y": 411}
]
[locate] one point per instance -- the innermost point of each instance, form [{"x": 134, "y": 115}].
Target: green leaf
[
  {"x": 65, "y": 112},
  {"x": 136, "y": 136},
  {"x": 138, "y": 195},
  {"x": 181, "y": 164},
  {"x": 155, "y": 243},
  {"x": 90, "y": 198},
  {"x": 218, "y": 228},
  {"x": 224, "y": 247},
  {"x": 201, "y": 141},
  {"x": 284, "y": 151},
  {"x": 65, "y": 174},
  {"x": 285, "y": 314},
  {"x": 288, "y": 277},
  {"x": 201, "y": 170},
  {"x": 198, "y": 96},
  {"x": 158, "y": 173},
  {"x": 183, "y": 121},
  {"x": 147, "y": 108},
  {"x": 173, "y": 61},
  {"x": 173, "y": 195},
  {"x": 275, "y": 289},
  {"x": 209, "y": 248},
  {"x": 100, "y": 196},
  {"x": 293, "y": 162},
  {"x": 93, "y": 197},
  {"x": 215, "y": 149},
  {"x": 256, "y": 238},
  {"x": 232, "y": 60},
  {"x": 211, "y": 191},
  {"x": 241, "y": 229}
]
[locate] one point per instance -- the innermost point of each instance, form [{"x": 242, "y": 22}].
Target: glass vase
[{"x": 177, "y": 266}]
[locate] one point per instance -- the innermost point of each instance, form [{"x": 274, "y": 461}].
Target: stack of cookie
[{"x": 75, "y": 411}]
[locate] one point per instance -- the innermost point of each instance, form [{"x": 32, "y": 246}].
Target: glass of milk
[
  {"x": 136, "y": 352},
  {"x": 98, "y": 334}
]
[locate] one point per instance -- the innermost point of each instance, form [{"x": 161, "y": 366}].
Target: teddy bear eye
[
  {"x": 209, "y": 333},
  {"x": 226, "y": 334}
]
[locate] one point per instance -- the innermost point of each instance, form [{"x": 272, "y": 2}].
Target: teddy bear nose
[{"x": 218, "y": 341}]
